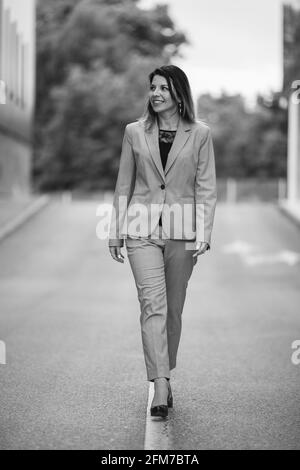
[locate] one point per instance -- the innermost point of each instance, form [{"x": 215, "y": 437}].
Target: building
[
  {"x": 17, "y": 94},
  {"x": 291, "y": 89}
]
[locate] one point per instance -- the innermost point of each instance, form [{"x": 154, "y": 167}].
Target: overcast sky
[
  {"x": 22, "y": 12},
  {"x": 236, "y": 45}
]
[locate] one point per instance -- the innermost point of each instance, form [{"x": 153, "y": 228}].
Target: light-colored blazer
[{"x": 184, "y": 194}]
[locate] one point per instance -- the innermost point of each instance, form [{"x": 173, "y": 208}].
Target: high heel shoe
[
  {"x": 162, "y": 410},
  {"x": 159, "y": 410},
  {"x": 170, "y": 397}
]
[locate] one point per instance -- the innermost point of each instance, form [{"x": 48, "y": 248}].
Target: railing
[{"x": 231, "y": 190}]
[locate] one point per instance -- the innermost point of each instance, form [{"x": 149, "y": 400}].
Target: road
[{"x": 74, "y": 376}]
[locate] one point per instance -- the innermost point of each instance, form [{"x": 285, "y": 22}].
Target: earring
[{"x": 180, "y": 107}]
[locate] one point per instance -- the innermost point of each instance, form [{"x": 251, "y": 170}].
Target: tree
[
  {"x": 247, "y": 143},
  {"x": 291, "y": 47},
  {"x": 93, "y": 60}
]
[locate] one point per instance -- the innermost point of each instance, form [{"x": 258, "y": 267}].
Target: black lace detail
[{"x": 166, "y": 136}]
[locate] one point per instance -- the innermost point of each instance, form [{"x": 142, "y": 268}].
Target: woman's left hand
[{"x": 201, "y": 248}]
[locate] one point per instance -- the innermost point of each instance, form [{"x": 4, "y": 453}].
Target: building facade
[
  {"x": 17, "y": 94},
  {"x": 291, "y": 89}
]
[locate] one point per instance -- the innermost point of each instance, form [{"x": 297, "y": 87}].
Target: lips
[{"x": 157, "y": 101}]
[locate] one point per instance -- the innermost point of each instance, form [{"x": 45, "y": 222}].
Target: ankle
[{"x": 161, "y": 379}]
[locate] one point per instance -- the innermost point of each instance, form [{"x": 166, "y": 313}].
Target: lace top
[{"x": 166, "y": 138}]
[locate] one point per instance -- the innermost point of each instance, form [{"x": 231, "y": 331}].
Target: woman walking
[{"x": 164, "y": 205}]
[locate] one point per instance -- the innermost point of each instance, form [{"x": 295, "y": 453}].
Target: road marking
[
  {"x": 158, "y": 435},
  {"x": 238, "y": 246},
  {"x": 289, "y": 257},
  {"x": 245, "y": 250}
]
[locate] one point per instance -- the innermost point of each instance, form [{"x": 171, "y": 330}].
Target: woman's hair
[{"x": 180, "y": 91}]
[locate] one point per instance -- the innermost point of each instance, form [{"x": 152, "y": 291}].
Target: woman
[{"x": 164, "y": 206}]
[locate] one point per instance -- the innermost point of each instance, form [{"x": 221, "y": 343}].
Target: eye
[{"x": 164, "y": 87}]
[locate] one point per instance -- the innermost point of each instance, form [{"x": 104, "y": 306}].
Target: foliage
[
  {"x": 291, "y": 47},
  {"x": 93, "y": 59},
  {"x": 248, "y": 143}
]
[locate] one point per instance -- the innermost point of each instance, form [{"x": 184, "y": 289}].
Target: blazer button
[{"x": 162, "y": 186}]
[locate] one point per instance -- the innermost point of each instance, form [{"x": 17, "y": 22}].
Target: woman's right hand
[{"x": 116, "y": 253}]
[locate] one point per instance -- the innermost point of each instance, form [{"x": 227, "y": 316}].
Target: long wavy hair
[{"x": 180, "y": 92}]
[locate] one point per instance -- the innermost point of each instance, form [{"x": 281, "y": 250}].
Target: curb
[
  {"x": 26, "y": 214},
  {"x": 290, "y": 212}
]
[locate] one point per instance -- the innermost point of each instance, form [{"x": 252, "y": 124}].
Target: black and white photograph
[{"x": 149, "y": 227}]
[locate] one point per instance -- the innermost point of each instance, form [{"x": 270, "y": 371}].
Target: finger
[
  {"x": 114, "y": 254},
  {"x": 120, "y": 257},
  {"x": 199, "y": 252},
  {"x": 119, "y": 253}
]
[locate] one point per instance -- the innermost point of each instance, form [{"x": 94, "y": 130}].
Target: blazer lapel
[
  {"x": 153, "y": 145},
  {"x": 182, "y": 135}
]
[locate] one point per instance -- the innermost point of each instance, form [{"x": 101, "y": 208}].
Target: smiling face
[{"x": 160, "y": 96}]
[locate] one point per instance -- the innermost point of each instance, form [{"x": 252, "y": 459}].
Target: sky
[
  {"x": 22, "y": 11},
  {"x": 236, "y": 45}
]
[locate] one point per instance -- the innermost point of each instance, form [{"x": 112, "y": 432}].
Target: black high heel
[
  {"x": 170, "y": 397},
  {"x": 162, "y": 410}
]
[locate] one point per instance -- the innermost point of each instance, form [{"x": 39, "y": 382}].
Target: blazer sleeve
[
  {"x": 123, "y": 191},
  {"x": 205, "y": 190}
]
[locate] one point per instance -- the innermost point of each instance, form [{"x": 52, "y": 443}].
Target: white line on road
[
  {"x": 288, "y": 257},
  {"x": 246, "y": 252},
  {"x": 239, "y": 247},
  {"x": 158, "y": 434}
]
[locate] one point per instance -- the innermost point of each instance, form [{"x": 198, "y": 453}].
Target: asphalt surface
[{"x": 69, "y": 316}]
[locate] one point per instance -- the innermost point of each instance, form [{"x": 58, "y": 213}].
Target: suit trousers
[{"x": 161, "y": 270}]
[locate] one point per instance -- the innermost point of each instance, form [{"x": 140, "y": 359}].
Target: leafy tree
[
  {"x": 291, "y": 47},
  {"x": 248, "y": 143},
  {"x": 93, "y": 58}
]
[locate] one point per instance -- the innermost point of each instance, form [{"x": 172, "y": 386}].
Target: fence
[{"x": 251, "y": 190}]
